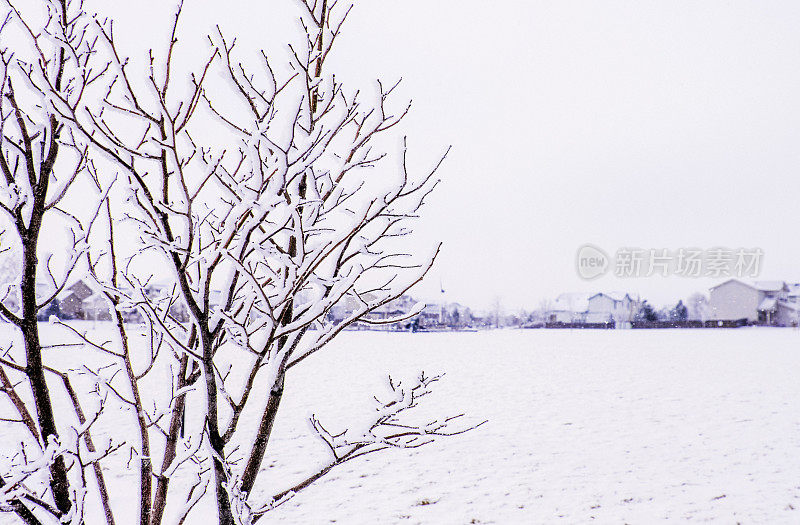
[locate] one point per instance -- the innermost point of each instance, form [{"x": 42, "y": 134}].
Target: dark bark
[
  {"x": 262, "y": 437},
  {"x": 214, "y": 437},
  {"x": 34, "y": 368}
]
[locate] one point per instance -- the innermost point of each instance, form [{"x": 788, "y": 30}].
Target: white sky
[{"x": 618, "y": 123}]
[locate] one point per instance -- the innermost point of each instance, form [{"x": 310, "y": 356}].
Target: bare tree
[
  {"x": 497, "y": 312},
  {"x": 41, "y": 161},
  {"x": 698, "y": 307},
  {"x": 259, "y": 205}
]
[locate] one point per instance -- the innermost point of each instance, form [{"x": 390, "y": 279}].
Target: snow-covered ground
[{"x": 598, "y": 426}]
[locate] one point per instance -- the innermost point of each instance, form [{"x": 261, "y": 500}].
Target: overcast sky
[{"x": 645, "y": 124}]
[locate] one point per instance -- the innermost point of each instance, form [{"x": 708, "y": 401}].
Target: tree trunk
[
  {"x": 264, "y": 431},
  {"x": 35, "y": 371},
  {"x": 214, "y": 437},
  {"x": 271, "y": 411}
]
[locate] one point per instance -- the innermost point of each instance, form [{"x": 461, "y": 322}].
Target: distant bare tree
[
  {"x": 497, "y": 313},
  {"x": 698, "y": 307}
]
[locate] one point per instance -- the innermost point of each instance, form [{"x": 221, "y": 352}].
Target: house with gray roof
[{"x": 770, "y": 303}]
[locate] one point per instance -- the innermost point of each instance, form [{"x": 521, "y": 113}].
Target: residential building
[
  {"x": 70, "y": 306},
  {"x": 593, "y": 308},
  {"x": 771, "y": 303}
]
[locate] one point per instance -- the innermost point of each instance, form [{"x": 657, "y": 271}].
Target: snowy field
[{"x": 584, "y": 426}]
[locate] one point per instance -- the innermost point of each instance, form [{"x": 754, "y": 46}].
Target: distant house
[
  {"x": 771, "y": 303},
  {"x": 97, "y": 307},
  {"x": 481, "y": 320},
  {"x": 569, "y": 308},
  {"x": 787, "y": 314},
  {"x": 593, "y": 308},
  {"x": 347, "y": 306},
  {"x": 793, "y": 295},
  {"x": 350, "y": 305},
  {"x": 431, "y": 316},
  {"x": 626, "y": 306},
  {"x": 457, "y": 316},
  {"x": 393, "y": 309},
  {"x": 70, "y": 306},
  {"x": 338, "y": 312}
]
